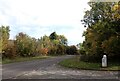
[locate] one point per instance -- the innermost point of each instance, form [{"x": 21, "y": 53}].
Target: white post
[{"x": 104, "y": 61}]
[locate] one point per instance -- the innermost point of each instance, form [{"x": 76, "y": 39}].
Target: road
[{"x": 49, "y": 69}]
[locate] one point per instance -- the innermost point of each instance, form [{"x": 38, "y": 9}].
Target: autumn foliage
[
  {"x": 26, "y": 46},
  {"x": 102, "y": 35},
  {"x": 44, "y": 51}
]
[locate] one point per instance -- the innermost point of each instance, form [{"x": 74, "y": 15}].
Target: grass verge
[
  {"x": 76, "y": 64},
  {"x": 22, "y": 59}
]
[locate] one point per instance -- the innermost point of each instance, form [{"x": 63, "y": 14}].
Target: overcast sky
[{"x": 42, "y": 17}]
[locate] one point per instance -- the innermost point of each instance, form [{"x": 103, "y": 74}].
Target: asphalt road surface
[{"x": 49, "y": 69}]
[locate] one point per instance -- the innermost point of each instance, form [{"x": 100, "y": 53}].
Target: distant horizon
[{"x": 44, "y": 17}]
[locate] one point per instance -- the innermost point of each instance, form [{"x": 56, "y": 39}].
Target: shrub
[
  {"x": 71, "y": 50},
  {"x": 9, "y": 52},
  {"x": 90, "y": 58},
  {"x": 44, "y": 51},
  {"x": 82, "y": 52}
]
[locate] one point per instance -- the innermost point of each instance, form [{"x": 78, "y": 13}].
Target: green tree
[
  {"x": 58, "y": 44},
  {"x": 44, "y": 44},
  {"x": 62, "y": 39},
  {"x": 25, "y": 45},
  {"x": 53, "y": 36},
  {"x": 102, "y": 23},
  {"x": 72, "y": 50},
  {"x": 10, "y": 51},
  {"x": 4, "y": 37},
  {"x": 4, "y": 40}
]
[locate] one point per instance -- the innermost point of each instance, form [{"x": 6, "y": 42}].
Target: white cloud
[{"x": 39, "y": 17}]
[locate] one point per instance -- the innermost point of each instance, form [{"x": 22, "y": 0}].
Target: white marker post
[{"x": 104, "y": 61}]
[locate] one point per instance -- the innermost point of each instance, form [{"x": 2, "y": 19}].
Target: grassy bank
[
  {"x": 76, "y": 64},
  {"x": 22, "y": 59}
]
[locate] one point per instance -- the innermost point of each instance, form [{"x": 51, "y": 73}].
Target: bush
[
  {"x": 9, "y": 52},
  {"x": 82, "y": 52},
  {"x": 92, "y": 58},
  {"x": 53, "y": 51},
  {"x": 44, "y": 51},
  {"x": 71, "y": 50}
]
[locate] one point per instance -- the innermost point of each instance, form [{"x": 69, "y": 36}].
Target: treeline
[
  {"x": 27, "y": 46},
  {"x": 103, "y": 31}
]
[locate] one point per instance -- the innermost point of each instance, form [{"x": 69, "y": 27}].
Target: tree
[
  {"x": 61, "y": 49},
  {"x": 4, "y": 39},
  {"x": 59, "y": 43},
  {"x": 53, "y": 36},
  {"x": 4, "y": 32},
  {"x": 81, "y": 48},
  {"x": 62, "y": 39},
  {"x": 10, "y": 51},
  {"x": 58, "y": 39},
  {"x": 72, "y": 50},
  {"x": 44, "y": 51},
  {"x": 44, "y": 45},
  {"x": 102, "y": 23},
  {"x": 25, "y": 45}
]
